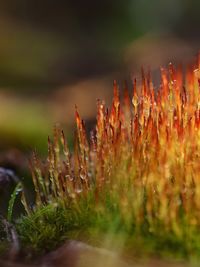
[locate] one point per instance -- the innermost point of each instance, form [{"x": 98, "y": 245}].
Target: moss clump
[{"x": 135, "y": 181}]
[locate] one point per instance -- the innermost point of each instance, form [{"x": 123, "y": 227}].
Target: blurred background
[{"x": 55, "y": 54}]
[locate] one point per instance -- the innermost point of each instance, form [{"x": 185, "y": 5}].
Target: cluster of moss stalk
[{"x": 134, "y": 184}]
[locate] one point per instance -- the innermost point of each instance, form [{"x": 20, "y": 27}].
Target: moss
[
  {"x": 49, "y": 226},
  {"x": 134, "y": 184}
]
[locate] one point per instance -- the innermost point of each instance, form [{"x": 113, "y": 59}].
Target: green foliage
[
  {"x": 15, "y": 193},
  {"x": 104, "y": 226}
]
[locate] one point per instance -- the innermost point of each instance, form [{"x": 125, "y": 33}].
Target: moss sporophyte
[{"x": 137, "y": 176}]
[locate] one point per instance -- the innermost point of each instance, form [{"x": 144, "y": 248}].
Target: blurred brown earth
[{"x": 78, "y": 254}]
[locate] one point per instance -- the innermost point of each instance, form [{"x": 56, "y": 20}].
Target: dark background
[{"x": 49, "y": 43}]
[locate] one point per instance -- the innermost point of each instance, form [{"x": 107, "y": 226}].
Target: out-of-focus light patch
[
  {"x": 26, "y": 51},
  {"x": 156, "y": 14},
  {"x": 23, "y": 122}
]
